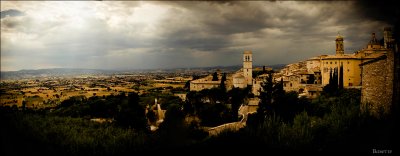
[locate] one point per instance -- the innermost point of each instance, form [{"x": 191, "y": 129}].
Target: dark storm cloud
[
  {"x": 11, "y": 22},
  {"x": 385, "y": 11},
  {"x": 11, "y": 13},
  {"x": 298, "y": 30},
  {"x": 183, "y": 34}
]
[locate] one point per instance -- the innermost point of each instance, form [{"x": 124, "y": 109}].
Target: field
[{"x": 45, "y": 97}]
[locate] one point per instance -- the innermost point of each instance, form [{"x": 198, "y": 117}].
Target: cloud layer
[{"x": 143, "y": 35}]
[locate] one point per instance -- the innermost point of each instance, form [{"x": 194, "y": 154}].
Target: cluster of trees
[
  {"x": 335, "y": 81},
  {"x": 329, "y": 123},
  {"x": 40, "y": 133},
  {"x": 128, "y": 110},
  {"x": 283, "y": 122},
  {"x": 215, "y": 106},
  {"x": 275, "y": 100},
  {"x": 210, "y": 105},
  {"x": 125, "y": 109}
]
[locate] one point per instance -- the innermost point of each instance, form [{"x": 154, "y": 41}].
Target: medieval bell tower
[
  {"x": 248, "y": 67},
  {"x": 339, "y": 45}
]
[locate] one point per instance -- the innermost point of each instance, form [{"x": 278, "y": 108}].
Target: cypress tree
[
  {"x": 265, "y": 95},
  {"x": 335, "y": 79},
  {"x": 341, "y": 78},
  {"x": 330, "y": 77},
  {"x": 222, "y": 84},
  {"x": 215, "y": 77}
]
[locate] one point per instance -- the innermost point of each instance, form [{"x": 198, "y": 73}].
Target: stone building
[
  {"x": 205, "y": 83},
  {"x": 299, "y": 76},
  {"x": 240, "y": 79},
  {"x": 350, "y": 62},
  {"x": 378, "y": 79},
  {"x": 244, "y": 77},
  {"x": 248, "y": 67}
]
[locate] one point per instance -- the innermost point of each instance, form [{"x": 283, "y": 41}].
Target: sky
[{"x": 176, "y": 34}]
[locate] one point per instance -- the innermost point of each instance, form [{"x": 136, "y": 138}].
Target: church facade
[{"x": 240, "y": 79}]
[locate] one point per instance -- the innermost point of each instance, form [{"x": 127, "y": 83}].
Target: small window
[
  {"x": 348, "y": 70},
  {"x": 335, "y": 62},
  {"x": 290, "y": 84},
  {"x": 348, "y": 62},
  {"x": 331, "y": 62}
]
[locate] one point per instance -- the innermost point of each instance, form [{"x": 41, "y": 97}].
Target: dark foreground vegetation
[{"x": 328, "y": 124}]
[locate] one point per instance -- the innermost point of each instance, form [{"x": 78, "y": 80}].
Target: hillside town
[
  {"x": 230, "y": 78},
  {"x": 308, "y": 77}
]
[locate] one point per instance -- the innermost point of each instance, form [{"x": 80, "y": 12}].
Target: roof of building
[
  {"x": 205, "y": 82},
  {"x": 339, "y": 37},
  {"x": 374, "y": 60},
  {"x": 238, "y": 75},
  {"x": 344, "y": 56},
  {"x": 314, "y": 58},
  {"x": 314, "y": 88},
  {"x": 247, "y": 52},
  {"x": 373, "y": 40}
]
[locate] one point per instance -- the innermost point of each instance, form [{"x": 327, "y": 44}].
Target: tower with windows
[
  {"x": 248, "y": 67},
  {"x": 339, "y": 45}
]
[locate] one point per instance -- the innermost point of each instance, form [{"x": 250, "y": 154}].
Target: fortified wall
[{"x": 378, "y": 84}]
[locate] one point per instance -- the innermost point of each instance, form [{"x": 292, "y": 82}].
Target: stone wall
[{"x": 377, "y": 85}]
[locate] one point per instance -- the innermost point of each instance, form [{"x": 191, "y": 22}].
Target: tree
[
  {"x": 23, "y": 105},
  {"x": 173, "y": 131},
  {"x": 132, "y": 114},
  {"x": 214, "y": 95},
  {"x": 330, "y": 76},
  {"x": 265, "y": 95},
  {"x": 237, "y": 97},
  {"x": 195, "y": 77},
  {"x": 187, "y": 85},
  {"x": 215, "y": 76},
  {"x": 341, "y": 77},
  {"x": 222, "y": 85},
  {"x": 332, "y": 87},
  {"x": 335, "y": 79},
  {"x": 169, "y": 99},
  {"x": 278, "y": 93},
  {"x": 151, "y": 116},
  {"x": 193, "y": 102}
]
